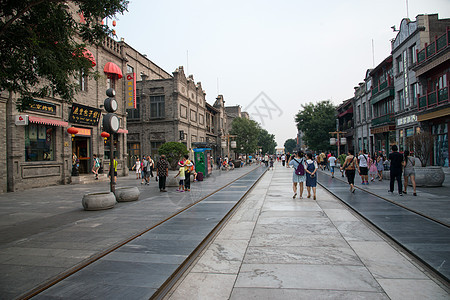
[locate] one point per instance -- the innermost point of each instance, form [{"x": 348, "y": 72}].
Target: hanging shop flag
[
  {"x": 130, "y": 90},
  {"x": 81, "y": 114}
]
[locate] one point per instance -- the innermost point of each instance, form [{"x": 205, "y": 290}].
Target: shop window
[
  {"x": 39, "y": 142},
  {"x": 130, "y": 69},
  {"x": 110, "y": 83},
  {"x": 412, "y": 54},
  {"x": 413, "y": 93},
  {"x": 157, "y": 107}
]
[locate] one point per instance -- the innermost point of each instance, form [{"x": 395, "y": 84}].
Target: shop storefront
[
  {"x": 406, "y": 127},
  {"x": 384, "y": 138}
]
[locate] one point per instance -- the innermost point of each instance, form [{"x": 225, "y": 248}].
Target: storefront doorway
[{"x": 81, "y": 147}]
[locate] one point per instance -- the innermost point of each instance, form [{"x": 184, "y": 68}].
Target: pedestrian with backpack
[
  {"x": 311, "y": 176},
  {"x": 298, "y": 163}
]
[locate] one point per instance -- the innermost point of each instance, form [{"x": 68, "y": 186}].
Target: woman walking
[
  {"x": 408, "y": 171},
  {"x": 380, "y": 167},
  {"x": 300, "y": 179},
  {"x": 350, "y": 166},
  {"x": 311, "y": 178},
  {"x": 137, "y": 166}
]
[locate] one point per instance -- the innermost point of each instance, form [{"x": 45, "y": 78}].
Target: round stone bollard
[
  {"x": 98, "y": 201},
  {"x": 127, "y": 194}
]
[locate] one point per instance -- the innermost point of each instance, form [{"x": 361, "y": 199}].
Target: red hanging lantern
[
  {"x": 104, "y": 134},
  {"x": 114, "y": 23},
  {"x": 72, "y": 130}
]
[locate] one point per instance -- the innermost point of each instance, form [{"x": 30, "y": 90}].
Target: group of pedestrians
[
  {"x": 305, "y": 169},
  {"x": 366, "y": 166},
  {"x": 144, "y": 170}
]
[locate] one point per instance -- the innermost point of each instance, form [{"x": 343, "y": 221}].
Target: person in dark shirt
[{"x": 396, "y": 169}]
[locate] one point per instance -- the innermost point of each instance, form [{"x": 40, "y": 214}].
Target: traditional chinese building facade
[{"x": 38, "y": 149}]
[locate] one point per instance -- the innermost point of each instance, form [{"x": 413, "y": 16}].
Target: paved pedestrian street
[{"x": 276, "y": 247}]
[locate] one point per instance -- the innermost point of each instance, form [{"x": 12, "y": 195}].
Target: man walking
[
  {"x": 396, "y": 169},
  {"x": 162, "y": 171},
  {"x": 332, "y": 162}
]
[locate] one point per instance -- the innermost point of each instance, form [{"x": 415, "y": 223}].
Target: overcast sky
[{"x": 270, "y": 57}]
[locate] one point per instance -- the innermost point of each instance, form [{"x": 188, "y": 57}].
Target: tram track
[{"x": 172, "y": 280}]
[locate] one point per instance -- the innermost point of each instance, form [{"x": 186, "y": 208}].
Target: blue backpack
[{"x": 300, "y": 170}]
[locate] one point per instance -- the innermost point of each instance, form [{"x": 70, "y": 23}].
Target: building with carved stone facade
[
  {"x": 37, "y": 149},
  {"x": 175, "y": 110}
]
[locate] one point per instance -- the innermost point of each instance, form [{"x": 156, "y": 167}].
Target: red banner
[{"x": 130, "y": 90}]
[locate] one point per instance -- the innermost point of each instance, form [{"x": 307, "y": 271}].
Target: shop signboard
[
  {"x": 43, "y": 107},
  {"x": 81, "y": 114}
]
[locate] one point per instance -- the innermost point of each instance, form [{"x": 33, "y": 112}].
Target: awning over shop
[
  {"x": 112, "y": 68},
  {"x": 88, "y": 54},
  {"x": 46, "y": 121},
  {"x": 122, "y": 131}
]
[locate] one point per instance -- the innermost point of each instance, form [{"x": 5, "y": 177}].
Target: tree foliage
[
  {"x": 173, "y": 152},
  {"x": 247, "y": 133},
  {"x": 316, "y": 121},
  {"x": 42, "y": 44},
  {"x": 289, "y": 145},
  {"x": 266, "y": 141}
]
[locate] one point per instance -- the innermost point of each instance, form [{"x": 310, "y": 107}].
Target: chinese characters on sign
[
  {"x": 81, "y": 114},
  {"x": 44, "y": 107},
  {"x": 131, "y": 90}
]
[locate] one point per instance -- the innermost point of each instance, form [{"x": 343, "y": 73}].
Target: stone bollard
[
  {"x": 127, "y": 194},
  {"x": 98, "y": 201}
]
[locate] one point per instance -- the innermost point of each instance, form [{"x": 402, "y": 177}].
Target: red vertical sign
[{"x": 130, "y": 90}]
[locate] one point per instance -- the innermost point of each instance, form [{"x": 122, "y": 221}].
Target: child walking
[{"x": 182, "y": 177}]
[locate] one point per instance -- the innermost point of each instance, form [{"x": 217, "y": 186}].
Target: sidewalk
[
  {"x": 433, "y": 202},
  {"x": 45, "y": 231},
  {"x": 276, "y": 247}
]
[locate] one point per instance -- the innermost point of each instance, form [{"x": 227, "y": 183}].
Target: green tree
[
  {"x": 289, "y": 145},
  {"x": 316, "y": 121},
  {"x": 42, "y": 44},
  {"x": 173, "y": 152},
  {"x": 247, "y": 133},
  {"x": 266, "y": 141}
]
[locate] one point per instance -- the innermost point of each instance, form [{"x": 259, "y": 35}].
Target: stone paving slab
[
  {"x": 143, "y": 271},
  {"x": 294, "y": 265},
  {"x": 428, "y": 240},
  {"x": 45, "y": 231}
]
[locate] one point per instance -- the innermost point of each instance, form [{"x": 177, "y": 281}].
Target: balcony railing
[
  {"x": 386, "y": 119},
  {"x": 434, "y": 98},
  {"x": 382, "y": 86},
  {"x": 438, "y": 45}
]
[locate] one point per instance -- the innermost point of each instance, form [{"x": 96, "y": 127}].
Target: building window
[
  {"x": 130, "y": 69},
  {"x": 83, "y": 81},
  {"x": 364, "y": 111},
  {"x": 201, "y": 119},
  {"x": 183, "y": 111},
  {"x": 399, "y": 63},
  {"x": 39, "y": 142},
  {"x": 358, "y": 117},
  {"x": 154, "y": 148},
  {"x": 157, "y": 107},
  {"x": 413, "y": 93},
  {"x": 193, "y": 116},
  {"x": 111, "y": 83},
  {"x": 412, "y": 54},
  {"x": 135, "y": 113},
  {"x": 401, "y": 100}
]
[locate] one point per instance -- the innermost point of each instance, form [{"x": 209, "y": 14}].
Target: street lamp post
[{"x": 337, "y": 133}]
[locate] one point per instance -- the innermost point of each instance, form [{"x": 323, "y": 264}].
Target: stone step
[{"x": 84, "y": 179}]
